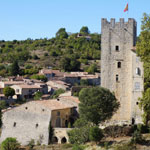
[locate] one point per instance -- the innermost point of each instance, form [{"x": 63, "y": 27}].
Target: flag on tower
[{"x": 126, "y": 8}]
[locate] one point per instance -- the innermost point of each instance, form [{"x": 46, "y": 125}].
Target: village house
[
  {"x": 84, "y": 36},
  {"x": 75, "y": 78},
  {"x": 57, "y": 84},
  {"x": 28, "y": 90},
  {"x": 4, "y": 84},
  {"x": 71, "y": 100},
  {"x": 33, "y": 119},
  {"x": 52, "y": 74},
  {"x": 92, "y": 79},
  {"x": 23, "y": 87}
]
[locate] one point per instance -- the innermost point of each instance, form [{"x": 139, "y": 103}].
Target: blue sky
[{"x": 22, "y": 19}]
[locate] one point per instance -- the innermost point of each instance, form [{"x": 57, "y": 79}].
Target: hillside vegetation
[{"x": 72, "y": 52}]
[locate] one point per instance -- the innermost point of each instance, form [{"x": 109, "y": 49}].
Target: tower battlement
[{"x": 112, "y": 23}]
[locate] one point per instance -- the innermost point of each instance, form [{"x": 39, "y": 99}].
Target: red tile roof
[{"x": 53, "y": 104}]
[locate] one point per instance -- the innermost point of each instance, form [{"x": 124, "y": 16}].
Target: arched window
[
  {"x": 117, "y": 77},
  {"x": 117, "y": 48},
  {"x": 119, "y": 64}
]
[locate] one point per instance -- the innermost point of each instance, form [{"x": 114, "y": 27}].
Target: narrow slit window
[
  {"x": 138, "y": 71},
  {"x": 14, "y": 124},
  {"x": 117, "y": 78},
  {"x": 119, "y": 64},
  {"x": 117, "y": 48}
]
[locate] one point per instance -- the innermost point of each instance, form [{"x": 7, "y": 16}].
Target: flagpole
[{"x": 128, "y": 8}]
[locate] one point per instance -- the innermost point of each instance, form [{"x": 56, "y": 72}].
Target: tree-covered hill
[{"x": 68, "y": 52}]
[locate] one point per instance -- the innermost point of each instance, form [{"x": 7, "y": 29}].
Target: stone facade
[
  {"x": 121, "y": 69},
  {"x": 31, "y": 121}
]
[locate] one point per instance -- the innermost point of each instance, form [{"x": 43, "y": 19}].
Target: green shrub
[
  {"x": 28, "y": 66},
  {"x": 57, "y": 93},
  {"x": 39, "y": 77},
  {"x": 84, "y": 61},
  {"x": 66, "y": 146},
  {"x": 84, "y": 82},
  {"x": 69, "y": 125},
  {"x": 35, "y": 57},
  {"x": 106, "y": 145},
  {"x": 92, "y": 69},
  {"x": 45, "y": 54},
  {"x": 142, "y": 128},
  {"x": 31, "y": 144},
  {"x": 79, "y": 135},
  {"x": 78, "y": 147},
  {"x": 53, "y": 53},
  {"x": 10, "y": 144},
  {"x": 95, "y": 134},
  {"x": 127, "y": 146},
  {"x": 31, "y": 71},
  {"x": 116, "y": 131},
  {"x": 38, "y": 96},
  {"x": 137, "y": 138},
  {"x": 3, "y": 104}
]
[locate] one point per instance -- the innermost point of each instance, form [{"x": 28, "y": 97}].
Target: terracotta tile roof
[
  {"x": 90, "y": 77},
  {"x": 49, "y": 71},
  {"x": 71, "y": 98},
  {"x": 27, "y": 86},
  {"x": 53, "y": 104},
  {"x": 71, "y": 75},
  {"x": 13, "y": 82},
  {"x": 79, "y": 73},
  {"x": 58, "y": 82}
]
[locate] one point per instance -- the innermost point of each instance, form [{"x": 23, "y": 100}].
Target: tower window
[
  {"x": 36, "y": 125},
  {"x": 117, "y": 78},
  {"x": 14, "y": 124},
  {"x": 137, "y": 86},
  {"x": 119, "y": 64},
  {"x": 133, "y": 120},
  {"x": 117, "y": 48},
  {"x": 138, "y": 71}
]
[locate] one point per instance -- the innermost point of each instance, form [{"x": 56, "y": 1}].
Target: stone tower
[{"x": 121, "y": 69}]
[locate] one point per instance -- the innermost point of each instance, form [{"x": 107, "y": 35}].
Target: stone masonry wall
[
  {"x": 26, "y": 122},
  {"x": 117, "y": 40}
]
